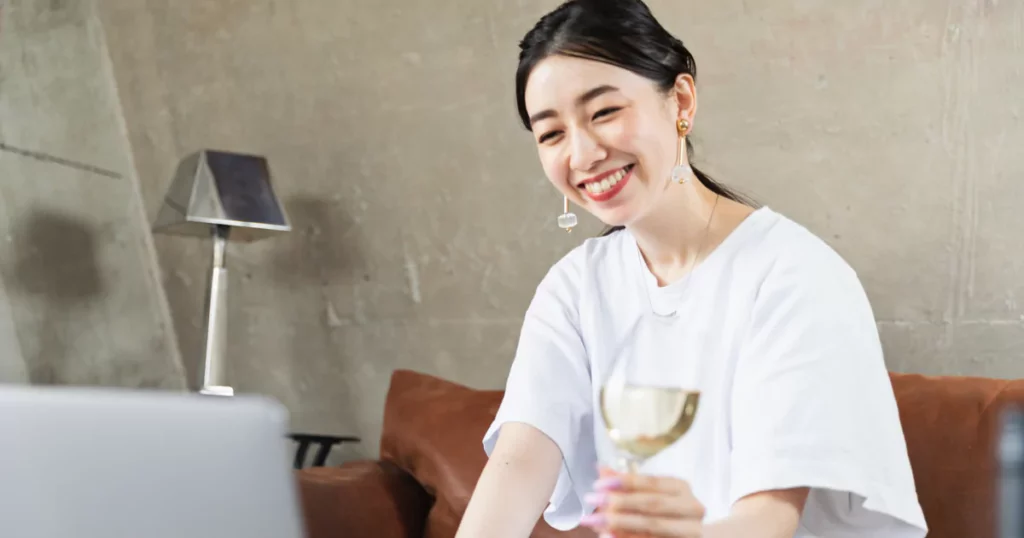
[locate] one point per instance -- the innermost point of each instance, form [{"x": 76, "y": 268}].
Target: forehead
[{"x": 557, "y": 81}]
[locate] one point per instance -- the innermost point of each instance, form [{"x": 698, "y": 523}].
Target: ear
[{"x": 684, "y": 93}]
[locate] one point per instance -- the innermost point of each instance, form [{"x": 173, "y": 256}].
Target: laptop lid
[{"x": 110, "y": 463}]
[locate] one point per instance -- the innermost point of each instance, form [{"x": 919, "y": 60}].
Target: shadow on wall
[
  {"x": 323, "y": 261},
  {"x": 56, "y": 263},
  {"x": 324, "y": 247}
]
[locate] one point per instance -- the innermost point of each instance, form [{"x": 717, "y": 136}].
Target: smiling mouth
[{"x": 608, "y": 186}]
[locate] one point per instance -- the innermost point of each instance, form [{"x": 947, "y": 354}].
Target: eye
[
  {"x": 548, "y": 136},
  {"x": 605, "y": 111}
]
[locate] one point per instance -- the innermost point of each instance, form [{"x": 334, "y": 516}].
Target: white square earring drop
[{"x": 567, "y": 221}]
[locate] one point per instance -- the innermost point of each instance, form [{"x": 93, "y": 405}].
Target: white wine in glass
[{"x": 642, "y": 420}]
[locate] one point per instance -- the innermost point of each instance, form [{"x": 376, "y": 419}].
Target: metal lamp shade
[{"x": 221, "y": 188}]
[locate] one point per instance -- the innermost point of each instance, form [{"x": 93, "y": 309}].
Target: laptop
[{"x": 112, "y": 463}]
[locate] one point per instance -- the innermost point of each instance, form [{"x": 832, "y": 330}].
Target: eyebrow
[{"x": 583, "y": 99}]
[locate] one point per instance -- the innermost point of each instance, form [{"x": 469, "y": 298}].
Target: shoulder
[
  {"x": 581, "y": 264},
  {"x": 570, "y": 281},
  {"x": 790, "y": 254},
  {"x": 793, "y": 275}
]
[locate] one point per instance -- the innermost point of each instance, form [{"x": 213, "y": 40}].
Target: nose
[{"x": 586, "y": 150}]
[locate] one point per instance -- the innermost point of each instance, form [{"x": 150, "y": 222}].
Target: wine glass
[{"x": 642, "y": 403}]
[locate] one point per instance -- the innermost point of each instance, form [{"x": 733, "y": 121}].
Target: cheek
[
  {"x": 654, "y": 149},
  {"x": 623, "y": 135},
  {"x": 630, "y": 137}
]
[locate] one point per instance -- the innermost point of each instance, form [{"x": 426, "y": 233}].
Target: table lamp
[{"x": 219, "y": 194}]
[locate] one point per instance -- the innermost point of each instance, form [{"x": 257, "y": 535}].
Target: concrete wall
[
  {"x": 12, "y": 365},
  {"x": 80, "y": 297},
  {"x": 422, "y": 219}
]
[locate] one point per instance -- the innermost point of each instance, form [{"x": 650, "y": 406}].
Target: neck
[{"x": 675, "y": 234}]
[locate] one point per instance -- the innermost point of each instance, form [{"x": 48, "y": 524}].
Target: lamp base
[{"x": 214, "y": 390}]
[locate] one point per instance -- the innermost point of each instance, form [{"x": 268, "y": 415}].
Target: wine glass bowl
[{"x": 642, "y": 420}]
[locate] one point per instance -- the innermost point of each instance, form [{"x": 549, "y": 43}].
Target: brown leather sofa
[{"x": 431, "y": 456}]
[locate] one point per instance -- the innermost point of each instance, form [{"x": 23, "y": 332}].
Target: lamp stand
[{"x": 215, "y": 334}]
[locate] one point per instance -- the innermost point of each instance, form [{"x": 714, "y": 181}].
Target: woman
[{"x": 797, "y": 432}]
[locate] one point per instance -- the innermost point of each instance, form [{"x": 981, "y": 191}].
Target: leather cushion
[
  {"x": 362, "y": 498},
  {"x": 951, "y": 425}
]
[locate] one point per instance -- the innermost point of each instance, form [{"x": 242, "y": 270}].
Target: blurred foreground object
[
  {"x": 1011, "y": 474},
  {"x": 90, "y": 462}
]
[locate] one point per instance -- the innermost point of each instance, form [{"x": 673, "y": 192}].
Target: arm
[
  {"x": 639, "y": 506},
  {"x": 515, "y": 485},
  {"x": 813, "y": 406},
  {"x": 541, "y": 448},
  {"x": 770, "y": 514}
]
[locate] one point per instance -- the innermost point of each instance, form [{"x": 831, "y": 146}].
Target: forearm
[
  {"x": 747, "y": 526},
  {"x": 515, "y": 485},
  {"x": 774, "y": 514}
]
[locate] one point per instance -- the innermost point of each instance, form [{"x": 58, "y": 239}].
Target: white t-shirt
[{"x": 776, "y": 332}]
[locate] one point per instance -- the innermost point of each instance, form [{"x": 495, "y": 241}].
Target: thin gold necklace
[{"x": 693, "y": 264}]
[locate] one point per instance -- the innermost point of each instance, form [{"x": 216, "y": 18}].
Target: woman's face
[{"x": 606, "y": 137}]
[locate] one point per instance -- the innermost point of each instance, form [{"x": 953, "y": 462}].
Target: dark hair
[{"x": 622, "y": 33}]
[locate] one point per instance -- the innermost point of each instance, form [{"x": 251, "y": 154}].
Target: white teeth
[{"x": 597, "y": 187}]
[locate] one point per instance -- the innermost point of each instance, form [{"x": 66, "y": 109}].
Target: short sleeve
[
  {"x": 813, "y": 406},
  {"x": 548, "y": 388}
]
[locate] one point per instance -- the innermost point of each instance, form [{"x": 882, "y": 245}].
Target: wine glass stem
[{"x": 631, "y": 465}]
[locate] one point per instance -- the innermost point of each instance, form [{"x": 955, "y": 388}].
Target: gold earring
[
  {"x": 682, "y": 172},
  {"x": 683, "y": 126},
  {"x": 567, "y": 221}
]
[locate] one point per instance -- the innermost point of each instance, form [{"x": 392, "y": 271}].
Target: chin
[
  {"x": 623, "y": 210},
  {"x": 616, "y": 218}
]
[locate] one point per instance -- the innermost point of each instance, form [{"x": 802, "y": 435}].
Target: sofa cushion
[
  {"x": 362, "y": 498},
  {"x": 951, "y": 426},
  {"x": 434, "y": 429}
]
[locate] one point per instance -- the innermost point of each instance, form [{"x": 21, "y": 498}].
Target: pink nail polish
[
  {"x": 594, "y": 520},
  {"x": 608, "y": 484},
  {"x": 596, "y": 499}
]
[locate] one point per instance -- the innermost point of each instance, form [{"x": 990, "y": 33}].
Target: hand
[{"x": 642, "y": 506}]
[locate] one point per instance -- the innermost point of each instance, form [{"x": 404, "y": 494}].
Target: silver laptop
[{"x": 112, "y": 463}]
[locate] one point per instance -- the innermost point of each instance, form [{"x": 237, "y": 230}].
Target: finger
[
  {"x": 651, "y": 504},
  {"x": 660, "y": 527},
  {"x": 649, "y": 483},
  {"x": 598, "y": 522},
  {"x": 621, "y": 534}
]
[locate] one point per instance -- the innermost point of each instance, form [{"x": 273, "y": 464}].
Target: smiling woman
[
  {"x": 658, "y": 61},
  {"x": 796, "y": 432}
]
